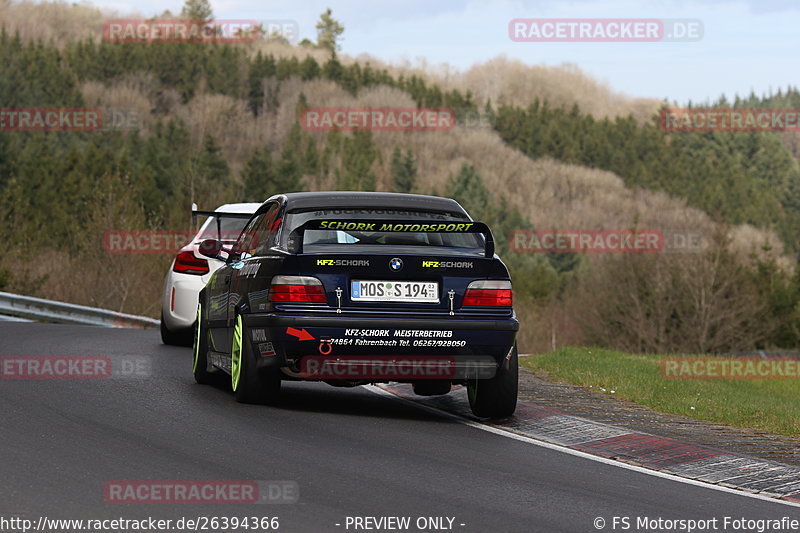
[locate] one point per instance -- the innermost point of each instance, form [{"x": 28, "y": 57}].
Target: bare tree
[{"x": 702, "y": 302}]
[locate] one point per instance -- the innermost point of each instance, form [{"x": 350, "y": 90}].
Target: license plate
[{"x": 394, "y": 291}]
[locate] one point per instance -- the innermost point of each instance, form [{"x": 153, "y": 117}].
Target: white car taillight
[{"x": 187, "y": 263}]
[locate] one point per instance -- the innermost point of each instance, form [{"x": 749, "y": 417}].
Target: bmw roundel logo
[{"x": 396, "y": 264}]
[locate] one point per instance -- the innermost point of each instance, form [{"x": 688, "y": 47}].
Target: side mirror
[{"x": 210, "y": 248}]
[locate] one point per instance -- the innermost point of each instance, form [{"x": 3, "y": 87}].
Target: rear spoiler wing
[
  {"x": 218, "y": 216},
  {"x": 398, "y": 226}
]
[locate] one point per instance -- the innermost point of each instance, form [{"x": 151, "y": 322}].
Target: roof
[
  {"x": 239, "y": 208},
  {"x": 370, "y": 200}
]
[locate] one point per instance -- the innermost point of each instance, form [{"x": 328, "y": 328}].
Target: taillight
[
  {"x": 297, "y": 289},
  {"x": 488, "y": 293},
  {"x": 187, "y": 263}
]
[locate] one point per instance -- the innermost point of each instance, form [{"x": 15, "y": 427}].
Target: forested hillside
[{"x": 218, "y": 123}]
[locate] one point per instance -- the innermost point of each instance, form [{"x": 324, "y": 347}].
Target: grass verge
[{"x": 767, "y": 404}]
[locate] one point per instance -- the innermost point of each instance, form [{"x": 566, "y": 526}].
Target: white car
[{"x": 190, "y": 271}]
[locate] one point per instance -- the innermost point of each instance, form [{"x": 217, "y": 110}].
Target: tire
[
  {"x": 432, "y": 387},
  {"x": 249, "y": 384},
  {"x": 496, "y": 397},
  {"x": 200, "y": 351},
  {"x": 176, "y": 338}
]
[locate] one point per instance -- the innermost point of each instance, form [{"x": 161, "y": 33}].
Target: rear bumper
[
  {"x": 269, "y": 320},
  {"x": 285, "y": 340},
  {"x": 179, "y": 299}
]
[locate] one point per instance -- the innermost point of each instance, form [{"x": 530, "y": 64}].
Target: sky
[{"x": 747, "y": 45}]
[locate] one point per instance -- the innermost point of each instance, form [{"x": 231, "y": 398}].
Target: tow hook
[
  {"x": 325, "y": 346},
  {"x": 338, "y": 299},
  {"x": 451, "y": 293}
]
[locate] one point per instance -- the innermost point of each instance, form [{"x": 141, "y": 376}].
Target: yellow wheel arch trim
[
  {"x": 236, "y": 355},
  {"x": 472, "y": 390}
]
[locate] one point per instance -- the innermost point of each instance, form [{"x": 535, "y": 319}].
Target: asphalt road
[{"x": 351, "y": 452}]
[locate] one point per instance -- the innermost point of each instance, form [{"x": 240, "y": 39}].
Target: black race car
[{"x": 353, "y": 288}]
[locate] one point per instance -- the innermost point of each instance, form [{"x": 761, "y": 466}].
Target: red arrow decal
[{"x": 301, "y": 334}]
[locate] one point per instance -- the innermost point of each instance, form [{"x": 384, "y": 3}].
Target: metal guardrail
[
  {"x": 42, "y": 310},
  {"x": 5, "y": 318}
]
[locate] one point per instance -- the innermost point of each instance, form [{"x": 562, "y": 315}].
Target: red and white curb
[{"x": 702, "y": 464}]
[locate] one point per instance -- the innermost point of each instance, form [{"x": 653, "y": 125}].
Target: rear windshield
[
  {"x": 230, "y": 228},
  {"x": 359, "y": 239}
]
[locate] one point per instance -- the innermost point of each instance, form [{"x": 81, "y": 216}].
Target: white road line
[{"x": 577, "y": 453}]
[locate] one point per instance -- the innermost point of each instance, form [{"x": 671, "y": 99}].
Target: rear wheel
[
  {"x": 496, "y": 397},
  {"x": 250, "y": 385},
  {"x": 175, "y": 338},
  {"x": 200, "y": 350}
]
